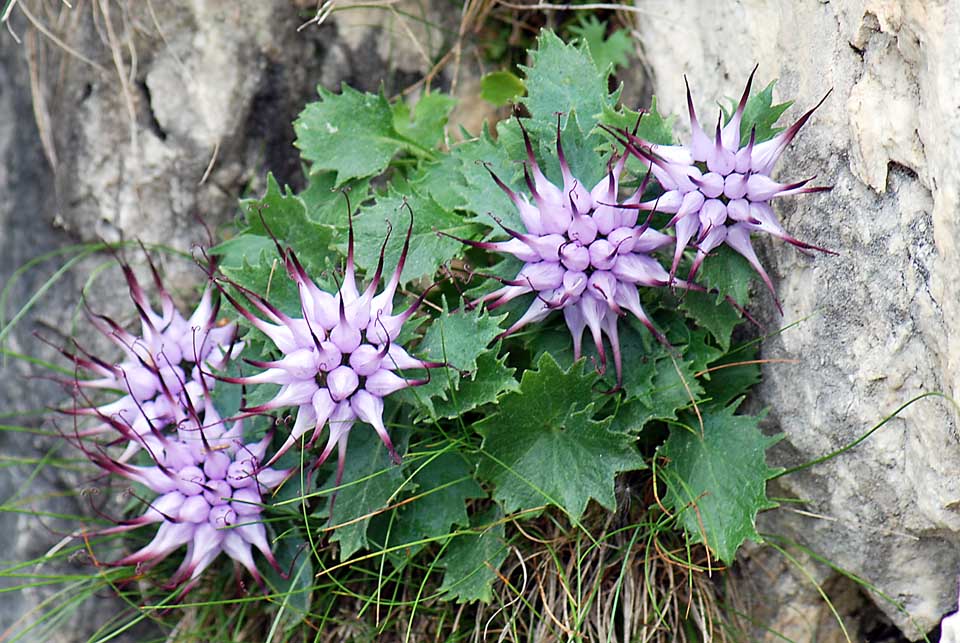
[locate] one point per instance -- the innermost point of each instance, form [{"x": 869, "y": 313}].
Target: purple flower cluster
[
  {"x": 718, "y": 190},
  {"x": 210, "y": 487},
  {"x": 340, "y": 358},
  {"x": 162, "y": 371},
  {"x": 584, "y": 252},
  {"x": 210, "y": 482}
]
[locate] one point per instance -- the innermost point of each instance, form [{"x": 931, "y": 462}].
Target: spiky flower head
[
  {"x": 717, "y": 189},
  {"x": 162, "y": 370},
  {"x": 583, "y": 253},
  {"x": 340, "y": 357},
  {"x": 210, "y": 488}
]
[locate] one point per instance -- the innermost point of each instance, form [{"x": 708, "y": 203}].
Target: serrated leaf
[
  {"x": 268, "y": 278},
  {"x": 732, "y": 381},
  {"x": 370, "y": 479},
  {"x": 425, "y": 126},
  {"x": 654, "y": 126},
  {"x": 350, "y": 133},
  {"x": 472, "y": 560},
  {"x": 491, "y": 379},
  {"x": 286, "y": 215},
  {"x": 542, "y": 446},
  {"x": 727, "y": 272},
  {"x": 458, "y": 339},
  {"x": 242, "y": 248},
  {"x": 699, "y": 350},
  {"x": 227, "y": 397},
  {"x": 760, "y": 112},
  {"x": 563, "y": 78},
  {"x": 428, "y": 249},
  {"x": 716, "y": 478},
  {"x": 479, "y": 193},
  {"x": 501, "y": 87},
  {"x": 442, "y": 180},
  {"x": 606, "y": 51},
  {"x": 658, "y": 384},
  {"x": 717, "y": 317},
  {"x": 444, "y": 484},
  {"x": 326, "y": 204},
  {"x": 579, "y": 148}
]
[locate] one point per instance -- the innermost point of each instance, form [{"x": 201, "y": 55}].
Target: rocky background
[
  {"x": 129, "y": 119},
  {"x": 877, "y": 325}
]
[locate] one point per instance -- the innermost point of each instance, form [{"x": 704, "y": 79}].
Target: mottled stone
[
  {"x": 877, "y": 325},
  {"x": 162, "y": 114}
]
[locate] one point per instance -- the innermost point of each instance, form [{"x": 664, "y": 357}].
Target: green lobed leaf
[
  {"x": 727, "y": 272},
  {"x": 326, "y": 203},
  {"x": 286, "y": 216},
  {"x": 242, "y": 248},
  {"x": 501, "y": 87},
  {"x": 580, "y": 148},
  {"x": 441, "y": 180},
  {"x": 716, "y": 478},
  {"x": 658, "y": 382},
  {"x": 563, "y": 78},
  {"x": 542, "y": 446},
  {"x": 486, "y": 384},
  {"x": 458, "y": 339},
  {"x": 717, "y": 317},
  {"x": 472, "y": 560},
  {"x": 760, "y": 112},
  {"x": 732, "y": 381},
  {"x": 425, "y": 125},
  {"x": 477, "y": 190},
  {"x": 428, "y": 249},
  {"x": 358, "y": 123},
  {"x": 268, "y": 278},
  {"x": 654, "y": 126},
  {"x": 606, "y": 51},
  {"x": 370, "y": 479},
  {"x": 697, "y": 347},
  {"x": 444, "y": 484}
]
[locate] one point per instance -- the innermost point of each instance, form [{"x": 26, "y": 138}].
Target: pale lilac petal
[
  {"x": 686, "y": 228},
  {"x": 576, "y": 323},
  {"x": 544, "y": 275},
  {"x": 342, "y": 382},
  {"x": 651, "y": 240},
  {"x": 369, "y": 409},
  {"x": 602, "y": 254},
  {"x": 384, "y": 383},
  {"x": 583, "y": 229},
  {"x": 713, "y": 214},
  {"x": 711, "y": 185},
  {"x": 640, "y": 269},
  {"x": 366, "y": 360},
  {"x": 738, "y": 238},
  {"x": 574, "y": 256},
  {"x": 711, "y": 240}
]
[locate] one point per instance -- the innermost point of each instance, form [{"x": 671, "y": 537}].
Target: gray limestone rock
[
  {"x": 876, "y": 326},
  {"x": 134, "y": 120}
]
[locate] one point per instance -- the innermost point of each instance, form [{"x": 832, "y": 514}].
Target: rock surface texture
[
  {"x": 877, "y": 325},
  {"x": 131, "y": 120}
]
